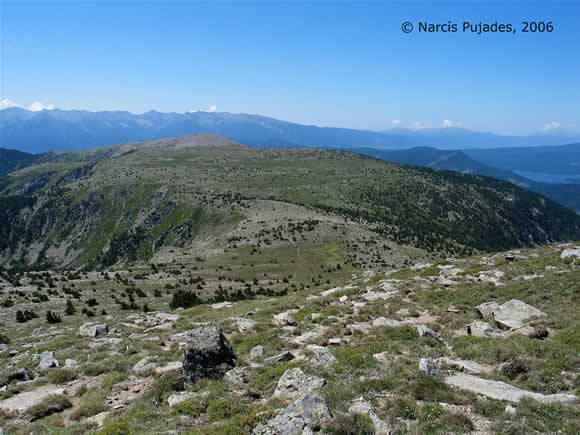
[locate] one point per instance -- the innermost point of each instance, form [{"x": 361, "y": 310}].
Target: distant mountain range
[{"x": 60, "y": 130}]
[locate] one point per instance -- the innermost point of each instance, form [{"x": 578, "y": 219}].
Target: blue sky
[{"x": 334, "y": 63}]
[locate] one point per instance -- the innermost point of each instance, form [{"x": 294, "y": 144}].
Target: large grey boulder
[
  {"x": 501, "y": 391},
  {"x": 208, "y": 354},
  {"x": 90, "y": 329},
  {"x": 514, "y": 314},
  {"x": 295, "y": 383},
  {"x": 301, "y": 417}
]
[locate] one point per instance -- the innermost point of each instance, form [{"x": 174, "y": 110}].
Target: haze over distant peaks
[{"x": 58, "y": 130}]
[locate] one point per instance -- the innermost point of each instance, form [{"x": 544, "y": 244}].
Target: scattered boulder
[
  {"x": 257, "y": 352},
  {"x": 182, "y": 396},
  {"x": 465, "y": 366},
  {"x": 144, "y": 365},
  {"x": 501, "y": 391},
  {"x": 281, "y": 357},
  {"x": 47, "y": 361},
  {"x": 321, "y": 356},
  {"x": 486, "y": 309},
  {"x": 22, "y": 402},
  {"x": 294, "y": 384},
  {"x": 386, "y": 323},
  {"x": 477, "y": 328},
  {"x": 570, "y": 253},
  {"x": 428, "y": 367},
  {"x": 20, "y": 375},
  {"x": 208, "y": 354},
  {"x": 284, "y": 319},
  {"x": 246, "y": 325},
  {"x": 513, "y": 258},
  {"x": 362, "y": 407},
  {"x": 514, "y": 314},
  {"x": 71, "y": 363},
  {"x": 89, "y": 329},
  {"x": 302, "y": 416},
  {"x": 236, "y": 376},
  {"x": 98, "y": 419},
  {"x": 174, "y": 365}
]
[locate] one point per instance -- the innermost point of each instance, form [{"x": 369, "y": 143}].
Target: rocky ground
[{"x": 487, "y": 344}]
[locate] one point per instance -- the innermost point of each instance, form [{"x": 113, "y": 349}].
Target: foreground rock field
[{"x": 487, "y": 344}]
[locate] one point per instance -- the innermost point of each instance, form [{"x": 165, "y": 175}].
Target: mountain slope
[
  {"x": 11, "y": 160},
  {"x": 459, "y": 161},
  {"x": 132, "y": 203},
  {"x": 58, "y": 130}
]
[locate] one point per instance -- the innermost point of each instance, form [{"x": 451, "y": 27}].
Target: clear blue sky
[{"x": 339, "y": 63}]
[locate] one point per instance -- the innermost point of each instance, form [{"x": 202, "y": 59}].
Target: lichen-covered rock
[
  {"x": 320, "y": 356},
  {"x": 302, "y": 416},
  {"x": 514, "y": 314},
  {"x": 208, "y": 354},
  {"x": 295, "y": 383}
]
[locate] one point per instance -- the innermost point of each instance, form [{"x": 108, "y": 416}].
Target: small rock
[
  {"x": 510, "y": 410},
  {"x": 302, "y": 416},
  {"x": 477, "y": 328},
  {"x": 246, "y": 325},
  {"x": 294, "y": 384},
  {"x": 571, "y": 253},
  {"x": 175, "y": 365},
  {"x": 284, "y": 319},
  {"x": 281, "y": 357},
  {"x": 89, "y": 329},
  {"x": 386, "y": 323},
  {"x": 257, "y": 352},
  {"x": 236, "y": 376},
  {"x": 98, "y": 419},
  {"x": 362, "y": 407},
  {"x": 427, "y": 366},
  {"x": 70, "y": 363},
  {"x": 321, "y": 356},
  {"x": 144, "y": 365},
  {"x": 47, "y": 361},
  {"x": 182, "y": 396},
  {"x": 486, "y": 309}
]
